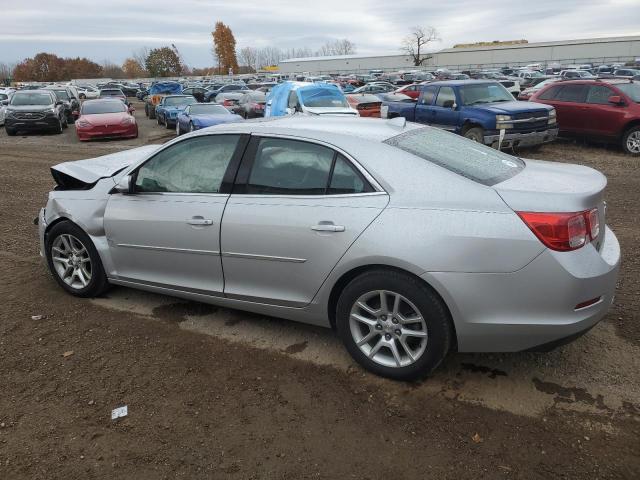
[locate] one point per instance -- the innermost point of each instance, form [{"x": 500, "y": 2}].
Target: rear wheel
[
  {"x": 475, "y": 133},
  {"x": 58, "y": 128},
  {"x": 152, "y": 112},
  {"x": 631, "y": 141},
  {"x": 166, "y": 124},
  {"x": 393, "y": 324},
  {"x": 74, "y": 261}
]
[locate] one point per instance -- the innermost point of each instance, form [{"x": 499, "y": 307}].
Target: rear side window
[
  {"x": 446, "y": 97},
  {"x": 469, "y": 159},
  {"x": 345, "y": 179},
  {"x": 599, "y": 94},
  {"x": 427, "y": 96},
  {"x": 549, "y": 93},
  {"x": 572, "y": 93}
]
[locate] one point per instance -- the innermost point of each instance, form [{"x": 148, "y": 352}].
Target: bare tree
[
  {"x": 268, "y": 56},
  {"x": 415, "y": 43},
  {"x": 344, "y": 47},
  {"x": 248, "y": 56},
  {"x": 140, "y": 56}
]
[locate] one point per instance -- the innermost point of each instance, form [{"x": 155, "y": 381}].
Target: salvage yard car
[
  {"x": 156, "y": 92},
  {"x": 289, "y": 98},
  {"x": 106, "y": 118},
  {"x": 202, "y": 115},
  {"x": 170, "y": 106},
  {"x": 30, "y": 110},
  {"x": 410, "y": 241},
  {"x": 607, "y": 110},
  {"x": 481, "y": 110}
]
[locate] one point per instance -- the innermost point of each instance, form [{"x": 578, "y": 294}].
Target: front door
[
  {"x": 166, "y": 233},
  {"x": 445, "y": 110},
  {"x": 295, "y": 210},
  {"x": 602, "y": 118}
]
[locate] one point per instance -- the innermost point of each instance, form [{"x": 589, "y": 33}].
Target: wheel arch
[
  {"x": 349, "y": 275},
  {"x": 629, "y": 125},
  {"x": 468, "y": 124}
]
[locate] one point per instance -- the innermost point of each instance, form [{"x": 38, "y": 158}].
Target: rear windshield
[
  {"x": 632, "y": 90},
  {"x": 111, "y": 106},
  {"x": 470, "y": 159},
  {"x": 31, "y": 99},
  {"x": 323, "y": 97},
  {"x": 178, "y": 101}
]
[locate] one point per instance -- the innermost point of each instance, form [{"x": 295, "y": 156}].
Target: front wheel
[
  {"x": 178, "y": 132},
  {"x": 476, "y": 134},
  {"x": 10, "y": 131},
  {"x": 393, "y": 324},
  {"x": 158, "y": 120},
  {"x": 631, "y": 141},
  {"x": 74, "y": 261},
  {"x": 152, "y": 112}
]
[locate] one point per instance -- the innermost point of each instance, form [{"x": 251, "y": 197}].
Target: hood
[
  {"x": 209, "y": 120},
  {"x": 330, "y": 110},
  {"x": 507, "y": 108},
  {"x": 91, "y": 170},
  {"x": 30, "y": 108},
  {"x": 104, "y": 118}
]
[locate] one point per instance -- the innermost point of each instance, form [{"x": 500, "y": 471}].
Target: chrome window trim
[{"x": 309, "y": 197}]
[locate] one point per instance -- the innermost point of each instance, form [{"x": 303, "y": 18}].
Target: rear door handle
[
  {"x": 199, "y": 221},
  {"x": 327, "y": 227}
]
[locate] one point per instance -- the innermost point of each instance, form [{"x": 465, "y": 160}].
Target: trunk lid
[
  {"x": 89, "y": 171},
  {"x": 555, "y": 187}
]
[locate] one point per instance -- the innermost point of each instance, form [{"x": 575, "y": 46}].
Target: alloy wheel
[
  {"x": 388, "y": 328},
  {"x": 633, "y": 142},
  {"x": 71, "y": 261}
]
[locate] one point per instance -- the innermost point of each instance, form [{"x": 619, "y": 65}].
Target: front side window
[
  {"x": 428, "y": 95},
  {"x": 196, "y": 165},
  {"x": 550, "y": 93},
  {"x": 599, "y": 94},
  {"x": 446, "y": 97},
  {"x": 572, "y": 93}
]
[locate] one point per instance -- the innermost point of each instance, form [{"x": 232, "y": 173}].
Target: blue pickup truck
[{"x": 480, "y": 110}]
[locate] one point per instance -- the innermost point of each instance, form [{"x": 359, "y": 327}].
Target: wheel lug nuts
[
  {"x": 398, "y": 332},
  {"x": 394, "y": 320},
  {"x": 383, "y": 318},
  {"x": 387, "y": 336},
  {"x": 378, "y": 327}
]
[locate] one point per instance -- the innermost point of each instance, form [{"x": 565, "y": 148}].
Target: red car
[
  {"x": 606, "y": 109},
  {"x": 105, "y": 118},
  {"x": 367, "y": 105},
  {"x": 412, "y": 90}
]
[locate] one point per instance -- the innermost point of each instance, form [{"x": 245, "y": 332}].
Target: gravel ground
[{"x": 217, "y": 393}]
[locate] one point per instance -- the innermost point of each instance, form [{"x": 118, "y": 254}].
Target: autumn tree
[
  {"x": 112, "y": 70},
  {"x": 47, "y": 67},
  {"x": 132, "y": 69},
  {"x": 224, "y": 48},
  {"x": 415, "y": 43},
  {"x": 81, "y": 68},
  {"x": 163, "y": 62}
]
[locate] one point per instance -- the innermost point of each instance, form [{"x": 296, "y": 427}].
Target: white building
[{"x": 596, "y": 50}]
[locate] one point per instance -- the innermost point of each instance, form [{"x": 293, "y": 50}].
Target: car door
[
  {"x": 166, "y": 232},
  {"x": 602, "y": 118},
  {"x": 296, "y": 208},
  {"x": 570, "y": 107},
  {"x": 445, "y": 109}
]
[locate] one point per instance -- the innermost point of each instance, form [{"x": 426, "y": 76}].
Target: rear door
[
  {"x": 424, "y": 107},
  {"x": 296, "y": 208},
  {"x": 166, "y": 232}
]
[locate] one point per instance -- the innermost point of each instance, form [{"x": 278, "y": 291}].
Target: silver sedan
[{"x": 407, "y": 240}]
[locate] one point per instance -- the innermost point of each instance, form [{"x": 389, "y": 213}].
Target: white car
[
  {"x": 5, "y": 95},
  {"x": 87, "y": 92}
]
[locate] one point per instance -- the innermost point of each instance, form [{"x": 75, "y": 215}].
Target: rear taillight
[
  {"x": 227, "y": 103},
  {"x": 563, "y": 232}
]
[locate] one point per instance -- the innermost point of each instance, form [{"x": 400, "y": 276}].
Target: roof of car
[
  {"x": 462, "y": 82},
  {"x": 323, "y": 127}
]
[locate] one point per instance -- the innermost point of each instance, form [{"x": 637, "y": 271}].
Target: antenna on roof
[{"x": 397, "y": 122}]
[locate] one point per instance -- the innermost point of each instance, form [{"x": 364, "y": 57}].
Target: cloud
[{"x": 112, "y": 30}]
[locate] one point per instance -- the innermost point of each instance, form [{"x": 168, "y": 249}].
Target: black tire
[
  {"x": 166, "y": 124},
  {"x": 10, "y": 131},
  {"x": 432, "y": 309},
  {"x": 65, "y": 122},
  {"x": 191, "y": 127},
  {"x": 474, "y": 133},
  {"x": 158, "y": 120},
  {"x": 146, "y": 110},
  {"x": 58, "y": 129},
  {"x": 631, "y": 141},
  {"x": 152, "y": 112},
  {"x": 98, "y": 283}
]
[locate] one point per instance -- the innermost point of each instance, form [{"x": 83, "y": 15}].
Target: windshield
[
  {"x": 323, "y": 97},
  {"x": 178, "y": 101},
  {"x": 110, "y": 106},
  {"x": 210, "y": 109},
  {"x": 31, "y": 99},
  {"x": 632, "y": 90},
  {"x": 470, "y": 159},
  {"x": 484, "y": 93},
  {"x": 111, "y": 93}
]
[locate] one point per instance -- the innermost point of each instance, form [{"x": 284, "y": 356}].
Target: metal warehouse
[{"x": 596, "y": 50}]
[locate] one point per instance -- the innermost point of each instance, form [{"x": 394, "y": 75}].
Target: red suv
[{"x": 606, "y": 109}]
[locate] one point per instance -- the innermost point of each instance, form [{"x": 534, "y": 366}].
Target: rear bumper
[
  {"x": 534, "y": 307},
  {"x": 522, "y": 139}
]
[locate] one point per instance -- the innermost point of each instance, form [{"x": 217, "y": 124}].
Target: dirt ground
[{"x": 215, "y": 393}]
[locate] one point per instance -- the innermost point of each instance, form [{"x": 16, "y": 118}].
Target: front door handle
[
  {"x": 327, "y": 227},
  {"x": 199, "y": 221}
]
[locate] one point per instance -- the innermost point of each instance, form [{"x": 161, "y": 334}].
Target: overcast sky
[{"x": 113, "y": 29}]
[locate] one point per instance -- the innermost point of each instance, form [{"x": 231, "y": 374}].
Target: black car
[
  {"x": 251, "y": 105},
  {"x": 71, "y": 104},
  {"x": 231, "y": 87},
  {"x": 197, "y": 92},
  {"x": 128, "y": 89},
  {"x": 34, "y": 110}
]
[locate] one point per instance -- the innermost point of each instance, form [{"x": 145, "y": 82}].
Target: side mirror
[
  {"x": 4, "y": 102},
  {"x": 616, "y": 100},
  {"x": 125, "y": 185}
]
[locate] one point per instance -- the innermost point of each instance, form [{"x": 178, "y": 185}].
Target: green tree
[{"x": 163, "y": 62}]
